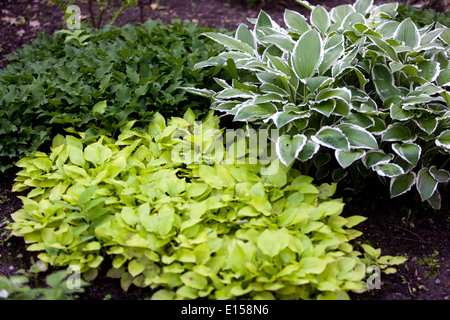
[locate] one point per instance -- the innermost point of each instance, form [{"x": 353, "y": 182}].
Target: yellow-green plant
[{"x": 189, "y": 229}]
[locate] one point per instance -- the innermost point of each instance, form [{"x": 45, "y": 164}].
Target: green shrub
[
  {"x": 98, "y": 80},
  {"x": 189, "y": 229},
  {"x": 355, "y": 86},
  {"x": 422, "y": 17},
  {"x": 17, "y": 288}
]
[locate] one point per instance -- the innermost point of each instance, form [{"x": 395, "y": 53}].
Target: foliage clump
[
  {"x": 190, "y": 229},
  {"x": 97, "y": 80},
  {"x": 352, "y": 91}
]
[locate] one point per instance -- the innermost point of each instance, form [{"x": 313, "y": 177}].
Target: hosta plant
[
  {"x": 352, "y": 85},
  {"x": 188, "y": 229}
]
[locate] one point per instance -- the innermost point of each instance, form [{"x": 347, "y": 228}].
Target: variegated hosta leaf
[
  {"x": 320, "y": 19},
  {"x": 389, "y": 170},
  {"x": 397, "y": 132},
  {"x": 296, "y": 21},
  {"x": 331, "y": 138},
  {"x": 288, "y": 147},
  {"x": 409, "y": 151},
  {"x": 402, "y": 184},
  {"x": 373, "y": 158},
  {"x": 443, "y": 140},
  {"x": 308, "y": 151},
  {"x": 441, "y": 175},
  {"x": 426, "y": 184},
  {"x": 408, "y": 33},
  {"x": 307, "y": 54},
  {"x": 345, "y": 159},
  {"x": 359, "y": 137}
]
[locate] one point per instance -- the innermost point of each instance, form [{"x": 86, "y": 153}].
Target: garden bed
[{"x": 401, "y": 226}]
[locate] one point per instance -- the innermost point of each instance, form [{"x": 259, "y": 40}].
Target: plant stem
[{"x": 91, "y": 12}]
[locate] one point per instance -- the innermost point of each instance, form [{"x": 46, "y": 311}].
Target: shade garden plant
[
  {"x": 108, "y": 117},
  {"x": 354, "y": 86}
]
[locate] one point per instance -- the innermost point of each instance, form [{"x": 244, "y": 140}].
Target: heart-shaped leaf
[{"x": 289, "y": 147}]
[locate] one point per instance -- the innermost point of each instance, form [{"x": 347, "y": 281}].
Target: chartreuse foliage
[
  {"x": 192, "y": 230},
  {"x": 352, "y": 85},
  {"x": 98, "y": 80}
]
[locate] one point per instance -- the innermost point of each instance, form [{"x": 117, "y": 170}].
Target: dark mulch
[{"x": 402, "y": 226}]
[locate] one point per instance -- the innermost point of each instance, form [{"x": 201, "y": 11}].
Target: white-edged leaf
[
  {"x": 307, "y": 55},
  {"x": 345, "y": 159},
  {"x": 331, "y": 138},
  {"x": 435, "y": 200},
  {"x": 443, "y": 140},
  {"x": 373, "y": 158},
  {"x": 308, "y": 151},
  {"x": 229, "y": 42},
  {"x": 255, "y": 111},
  {"x": 296, "y": 21},
  {"x": 362, "y": 6},
  {"x": 408, "y": 151},
  {"x": 426, "y": 184},
  {"x": 320, "y": 18},
  {"x": 288, "y": 147},
  {"x": 390, "y": 170},
  {"x": 402, "y": 184},
  {"x": 408, "y": 33},
  {"x": 397, "y": 132},
  {"x": 244, "y": 35},
  {"x": 359, "y": 137},
  {"x": 441, "y": 175}
]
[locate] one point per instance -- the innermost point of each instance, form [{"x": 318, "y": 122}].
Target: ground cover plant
[
  {"x": 353, "y": 85},
  {"x": 98, "y": 79},
  {"x": 189, "y": 229}
]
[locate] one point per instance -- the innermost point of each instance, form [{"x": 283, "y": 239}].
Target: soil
[{"x": 400, "y": 226}]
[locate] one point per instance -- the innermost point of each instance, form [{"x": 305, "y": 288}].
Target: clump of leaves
[
  {"x": 352, "y": 85},
  {"x": 188, "y": 228},
  {"x": 17, "y": 288},
  {"x": 421, "y": 16},
  {"x": 97, "y": 80}
]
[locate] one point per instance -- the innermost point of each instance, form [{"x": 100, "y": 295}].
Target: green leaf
[
  {"x": 359, "y": 137},
  {"x": 443, "y": 140},
  {"x": 132, "y": 74},
  {"x": 135, "y": 267},
  {"x": 229, "y": 42},
  {"x": 408, "y": 151},
  {"x": 426, "y": 184},
  {"x": 194, "y": 280},
  {"x": 255, "y": 111},
  {"x": 397, "y": 132},
  {"x": 308, "y": 151},
  {"x": 407, "y": 33},
  {"x": 373, "y": 158},
  {"x": 288, "y": 148},
  {"x": 307, "y": 55},
  {"x": 384, "y": 46},
  {"x": 313, "y": 265},
  {"x": 390, "y": 170},
  {"x": 296, "y": 21},
  {"x": 331, "y": 138},
  {"x": 268, "y": 242},
  {"x": 246, "y": 36},
  {"x": 345, "y": 159},
  {"x": 320, "y": 19},
  {"x": 100, "y": 107},
  {"x": 87, "y": 194},
  {"x": 402, "y": 184},
  {"x": 362, "y": 6}
]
